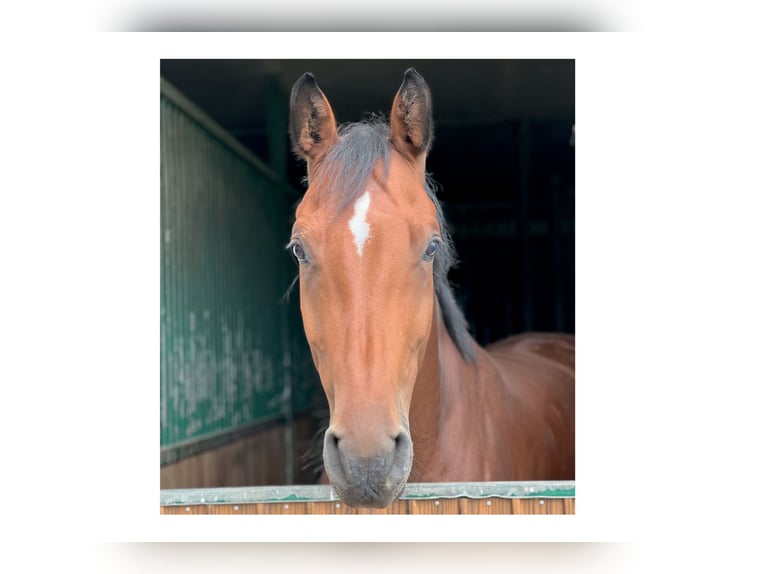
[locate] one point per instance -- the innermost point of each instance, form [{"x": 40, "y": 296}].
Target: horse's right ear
[
  {"x": 312, "y": 123},
  {"x": 411, "y": 117}
]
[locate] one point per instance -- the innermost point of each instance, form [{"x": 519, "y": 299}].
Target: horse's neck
[
  {"x": 440, "y": 404},
  {"x": 426, "y": 396}
]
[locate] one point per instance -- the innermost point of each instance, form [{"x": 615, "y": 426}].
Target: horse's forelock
[{"x": 346, "y": 169}]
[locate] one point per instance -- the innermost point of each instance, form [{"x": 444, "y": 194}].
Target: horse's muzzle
[{"x": 373, "y": 480}]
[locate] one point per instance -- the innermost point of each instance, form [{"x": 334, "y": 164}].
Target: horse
[{"x": 412, "y": 396}]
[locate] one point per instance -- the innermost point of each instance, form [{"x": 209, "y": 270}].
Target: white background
[{"x": 670, "y": 306}]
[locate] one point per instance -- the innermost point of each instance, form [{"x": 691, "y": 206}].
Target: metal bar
[{"x": 325, "y": 493}]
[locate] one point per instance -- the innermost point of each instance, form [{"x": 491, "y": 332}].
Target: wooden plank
[
  {"x": 189, "y": 509},
  {"x": 440, "y": 506},
  {"x": 412, "y": 507},
  {"x": 240, "y": 463}
]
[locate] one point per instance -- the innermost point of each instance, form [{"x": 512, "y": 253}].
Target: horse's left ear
[{"x": 411, "y": 121}]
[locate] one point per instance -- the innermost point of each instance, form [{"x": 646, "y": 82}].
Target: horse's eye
[
  {"x": 431, "y": 250},
  {"x": 298, "y": 252}
]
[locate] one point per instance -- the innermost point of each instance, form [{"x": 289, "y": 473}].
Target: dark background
[{"x": 503, "y": 156}]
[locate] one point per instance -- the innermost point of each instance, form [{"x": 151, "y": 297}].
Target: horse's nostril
[
  {"x": 402, "y": 452},
  {"x": 402, "y": 440},
  {"x": 332, "y": 440}
]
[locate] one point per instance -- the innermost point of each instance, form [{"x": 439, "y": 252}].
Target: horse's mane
[{"x": 345, "y": 171}]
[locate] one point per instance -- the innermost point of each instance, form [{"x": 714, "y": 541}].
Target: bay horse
[{"x": 411, "y": 395}]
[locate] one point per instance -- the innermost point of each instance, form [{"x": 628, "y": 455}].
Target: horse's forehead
[{"x": 393, "y": 202}]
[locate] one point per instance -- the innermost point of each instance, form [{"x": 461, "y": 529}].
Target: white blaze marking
[{"x": 358, "y": 225}]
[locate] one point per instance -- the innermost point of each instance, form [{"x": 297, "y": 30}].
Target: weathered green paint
[{"x": 228, "y": 340}]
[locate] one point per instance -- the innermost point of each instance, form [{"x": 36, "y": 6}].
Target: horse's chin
[{"x": 368, "y": 496}]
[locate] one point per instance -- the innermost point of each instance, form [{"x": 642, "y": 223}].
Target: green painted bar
[{"x": 325, "y": 493}]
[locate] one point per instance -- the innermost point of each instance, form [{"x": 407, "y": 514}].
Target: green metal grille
[{"x": 232, "y": 351}]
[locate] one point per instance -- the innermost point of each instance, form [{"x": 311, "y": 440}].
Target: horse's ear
[
  {"x": 312, "y": 123},
  {"x": 411, "y": 121}
]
